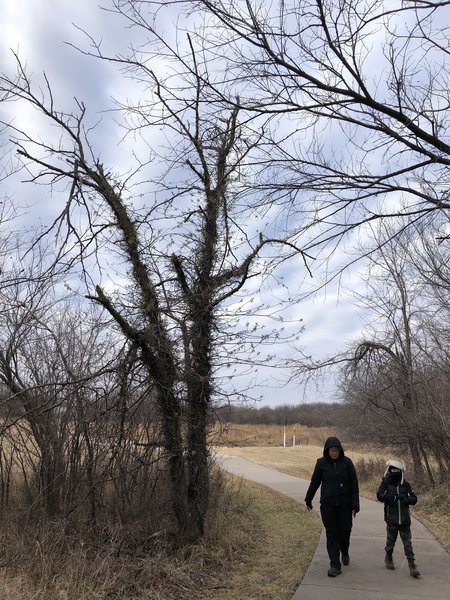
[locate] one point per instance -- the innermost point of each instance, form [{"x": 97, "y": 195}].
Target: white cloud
[{"x": 39, "y": 30}]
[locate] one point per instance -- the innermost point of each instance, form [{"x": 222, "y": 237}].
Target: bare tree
[
  {"x": 80, "y": 433},
  {"x": 389, "y": 373},
  {"x": 359, "y": 99},
  {"x": 168, "y": 311},
  {"x": 358, "y": 96},
  {"x": 430, "y": 257},
  {"x": 53, "y": 355}
]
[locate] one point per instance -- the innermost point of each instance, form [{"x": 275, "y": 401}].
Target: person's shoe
[
  {"x": 345, "y": 559},
  {"x": 389, "y": 562},
  {"x": 334, "y": 572},
  {"x": 413, "y": 570}
]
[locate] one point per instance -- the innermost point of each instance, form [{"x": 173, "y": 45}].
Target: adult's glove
[{"x": 309, "y": 505}]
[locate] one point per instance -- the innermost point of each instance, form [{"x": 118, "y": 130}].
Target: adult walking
[{"x": 339, "y": 500}]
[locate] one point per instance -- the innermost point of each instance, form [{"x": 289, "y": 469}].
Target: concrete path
[{"x": 366, "y": 578}]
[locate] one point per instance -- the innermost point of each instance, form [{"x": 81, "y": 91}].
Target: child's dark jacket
[{"x": 397, "y": 498}]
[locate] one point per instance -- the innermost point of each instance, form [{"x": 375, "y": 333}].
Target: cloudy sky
[{"x": 41, "y": 32}]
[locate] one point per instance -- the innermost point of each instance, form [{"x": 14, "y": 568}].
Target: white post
[{"x": 284, "y": 436}]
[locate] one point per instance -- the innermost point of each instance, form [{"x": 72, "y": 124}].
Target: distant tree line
[{"x": 314, "y": 414}]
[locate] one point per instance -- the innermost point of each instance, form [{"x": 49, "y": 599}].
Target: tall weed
[{"x": 60, "y": 561}]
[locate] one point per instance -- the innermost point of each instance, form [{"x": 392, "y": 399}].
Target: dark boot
[
  {"x": 388, "y": 561},
  {"x": 413, "y": 570},
  {"x": 345, "y": 559},
  {"x": 334, "y": 572}
]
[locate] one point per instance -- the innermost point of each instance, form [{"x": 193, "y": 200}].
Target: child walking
[{"x": 398, "y": 496}]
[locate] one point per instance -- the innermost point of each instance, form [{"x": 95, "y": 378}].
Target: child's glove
[{"x": 309, "y": 505}]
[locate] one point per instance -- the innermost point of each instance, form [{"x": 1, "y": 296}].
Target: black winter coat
[
  {"x": 397, "y": 498},
  {"x": 337, "y": 478}
]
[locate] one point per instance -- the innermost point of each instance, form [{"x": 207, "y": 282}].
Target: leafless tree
[
  {"x": 389, "y": 375},
  {"x": 189, "y": 248},
  {"x": 50, "y": 355},
  {"x": 290, "y": 83},
  {"x": 79, "y": 429},
  {"x": 359, "y": 99}
]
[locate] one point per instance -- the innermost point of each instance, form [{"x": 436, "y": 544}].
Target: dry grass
[
  {"x": 283, "y": 540},
  {"x": 258, "y": 546},
  {"x": 433, "y": 510},
  {"x": 298, "y": 461},
  {"x": 231, "y": 434}
]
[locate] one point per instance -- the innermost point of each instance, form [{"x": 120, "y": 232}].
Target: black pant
[
  {"x": 405, "y": 533},
  {"x": 337, "y": 521}
]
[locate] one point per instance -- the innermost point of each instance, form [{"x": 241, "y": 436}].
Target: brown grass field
[
  {"x": 258, "y": 543},
  {"x": 298, "y": 461},
  {"x": 231, "y": 434}
]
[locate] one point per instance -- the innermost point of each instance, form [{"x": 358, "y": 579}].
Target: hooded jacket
[
  {"x": 398, "y": 496},
  {"x": 337, "y": 478}
]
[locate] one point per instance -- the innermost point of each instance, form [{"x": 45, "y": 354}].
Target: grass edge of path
[{"x": 284, "y": 537}]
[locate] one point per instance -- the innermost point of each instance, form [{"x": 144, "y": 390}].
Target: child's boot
[
  {"x": 413, "y": 569},
  {"x": 388, "y": 561}
]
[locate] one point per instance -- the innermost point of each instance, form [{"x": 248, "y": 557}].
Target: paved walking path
[{"x": 365, "y": 578}]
